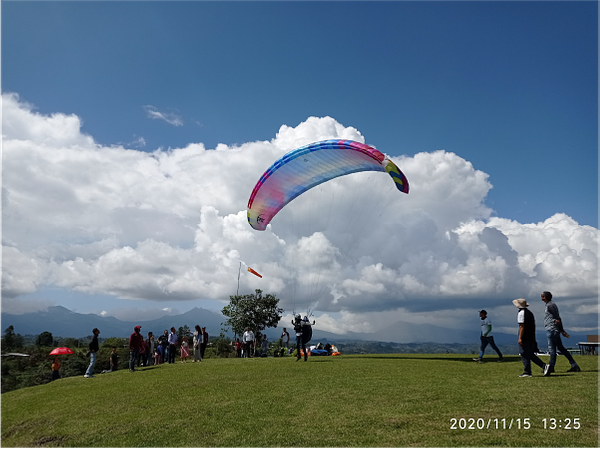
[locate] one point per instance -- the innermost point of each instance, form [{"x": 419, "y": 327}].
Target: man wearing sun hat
[{"x": 527, "y": 342}]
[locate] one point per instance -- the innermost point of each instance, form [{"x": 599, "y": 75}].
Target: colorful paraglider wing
[{"x": 308, "y": 166}]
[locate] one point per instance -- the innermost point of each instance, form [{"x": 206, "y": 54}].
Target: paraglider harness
[{"x": 304, "y": 328}]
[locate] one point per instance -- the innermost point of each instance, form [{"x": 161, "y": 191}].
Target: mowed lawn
[{"x": 344, "y": 401}]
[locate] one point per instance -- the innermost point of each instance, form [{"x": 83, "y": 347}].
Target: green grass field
[{"x": 345, "y": 401}]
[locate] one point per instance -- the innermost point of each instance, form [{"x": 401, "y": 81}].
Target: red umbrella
[{"x": 62, "y": 351}]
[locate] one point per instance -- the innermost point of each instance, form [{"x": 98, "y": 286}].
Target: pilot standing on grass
[{"x": 298, "y": 324}]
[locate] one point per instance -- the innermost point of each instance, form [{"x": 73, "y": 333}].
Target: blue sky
[{"x": 511, "y": 87}]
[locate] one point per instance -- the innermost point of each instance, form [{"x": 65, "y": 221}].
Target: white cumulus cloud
[{"x": 171, "y": 225}]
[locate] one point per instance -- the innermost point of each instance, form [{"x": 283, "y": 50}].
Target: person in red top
[
  {"x": 135, "y": 345},
  {"x": 238, "y": 348}
]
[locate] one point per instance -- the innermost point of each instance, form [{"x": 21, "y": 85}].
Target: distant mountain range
[
  {"x": 65, "y": 323},
  {"x": 62, "y": 322}
]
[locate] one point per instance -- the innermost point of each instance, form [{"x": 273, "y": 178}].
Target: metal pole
[{"x": 238, "y": 288}]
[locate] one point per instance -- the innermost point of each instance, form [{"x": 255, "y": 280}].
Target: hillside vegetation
[{"x": 346, "y": 401}]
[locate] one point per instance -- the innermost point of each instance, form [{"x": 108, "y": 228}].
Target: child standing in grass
[
  {"x": 238, "y": 348},
  {"x": 185, "y": 351},
  {"x": 114, "y": 359},
  {"x": 158, "y": 355}
]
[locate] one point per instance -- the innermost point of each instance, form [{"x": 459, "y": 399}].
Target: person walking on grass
[
  {"x": 89, "y": 373},
  {"x": 554, "y": 328},
  {"x": 486, "y": 337},
  {"x": 527, "y": 343}
]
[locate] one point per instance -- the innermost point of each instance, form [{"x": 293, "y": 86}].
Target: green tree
[
  {"x": 115, "y": 342},
  {"x": 44, "y": 340},
  {"x": 222, "y": 346},
  {"x": 252, "y": 310},
  {"x": 10, "y": 340},
  {"x": 71, "y": 343},
  {"x": 183, "y": 331}
]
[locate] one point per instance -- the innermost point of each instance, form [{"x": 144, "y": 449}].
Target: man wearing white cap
[{"x": 527, "y": 342}]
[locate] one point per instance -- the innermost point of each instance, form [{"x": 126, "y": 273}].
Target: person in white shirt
[
  {"x": 285, "y": 338},
  {"x": 172, "y": 345},
  {"x": 248, "y": 339},
  {"x": 486, "y": 337},
  {"x": 527, "y": 344}
]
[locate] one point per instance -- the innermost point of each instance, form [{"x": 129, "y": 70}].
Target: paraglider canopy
[{"x": 308, "y": 166}]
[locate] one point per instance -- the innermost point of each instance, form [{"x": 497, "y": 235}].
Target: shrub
[{"x": 115, "y": 342}]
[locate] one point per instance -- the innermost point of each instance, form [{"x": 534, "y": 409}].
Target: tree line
[
  {"x": 34, "y": 369},
  {"x": 256, "y": 311}
]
